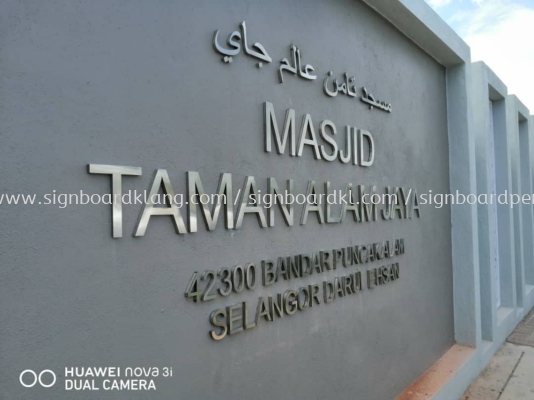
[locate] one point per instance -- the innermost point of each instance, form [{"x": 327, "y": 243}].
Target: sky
[{"x": 500, "y": 33}]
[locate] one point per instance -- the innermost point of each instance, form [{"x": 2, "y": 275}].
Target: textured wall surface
[{"x": 139, "y": 84}]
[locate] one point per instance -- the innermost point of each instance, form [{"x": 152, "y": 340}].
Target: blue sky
[{"x": 500, "y": 33}]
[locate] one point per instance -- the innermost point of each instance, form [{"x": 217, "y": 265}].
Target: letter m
[
  {"x": 223, "y": 196},
  {"x": 271, "y": 128}
]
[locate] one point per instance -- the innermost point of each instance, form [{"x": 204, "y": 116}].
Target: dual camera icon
[{"x": 29, "y": 378}]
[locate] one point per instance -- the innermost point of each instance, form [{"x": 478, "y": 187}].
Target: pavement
[{"x": 510, "y": 373}]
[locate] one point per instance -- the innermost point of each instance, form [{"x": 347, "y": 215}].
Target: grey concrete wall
[
  {"x": 138, "y": 83},
  {"x": 513, "y": 136}
]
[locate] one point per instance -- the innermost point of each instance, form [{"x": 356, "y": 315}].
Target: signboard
[{"x": 231, "y": 203}]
